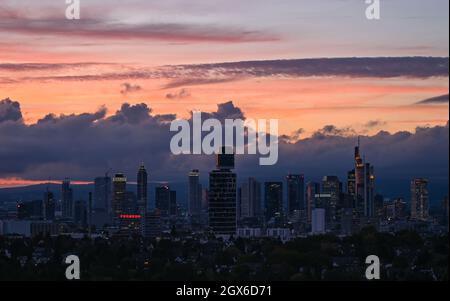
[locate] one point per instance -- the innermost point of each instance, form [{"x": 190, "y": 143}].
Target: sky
[{"x": 308, "y": 63}]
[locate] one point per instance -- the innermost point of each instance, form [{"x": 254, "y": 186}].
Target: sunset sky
[{"x": 168, "y": 54}]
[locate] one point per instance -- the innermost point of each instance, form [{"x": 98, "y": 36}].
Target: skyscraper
[
  {"x": 49, "y": 206},
  {"x": 359, "y": 179},
  {"x": 312, "y": 188},
  {"x": 364, "y": 185},
  {"x": 194, "y": 193},
  {"x": 250, "y": 199},
  {"x": 222, "y": 195},
  {"x": 101, "y": 206},
  {"x": 142, "y": 191},
  {"x": 102, "y": 194},
  {"x": 295, "y": 192},
  {"x": 273, "y": 195},
  {"x": 331, "y": 186},
  {"x": 419, "y": 199},
  {"x": 162, "y": 200},
  {"x": 119, "y": 196},
  {"x": 67, "y": 199}
]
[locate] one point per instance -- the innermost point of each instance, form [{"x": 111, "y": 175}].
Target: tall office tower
[
  {"x": 49, "y": 206},
  {"x": 101, "y": 212},
  {"x": 318, "y": 221},
  {"x": 364, "y": 185},
  {"x": 142, "y": 191},
  {"x": 295, "y": 193},
  {"x": 67, "y": 199},
  {"x": 194, "y": 193},
  {"x": 273, "y": 195},
  {"x": 222, "y": 195},
  {"x": 250, "y": 199},
  {"x": 102, "y": 194},
  {"x": 312, "y": 188},
  {"x": 332, "y": 186},
  {"x": 119, "y": 197},
  {"x": 419, "y": 199},
  {"x": 359, "y": 175},
  {"x": 324, "y": 201},
  {"x": 162, "y": 200}
]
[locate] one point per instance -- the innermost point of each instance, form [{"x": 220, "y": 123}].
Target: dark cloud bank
[
  {"x": 86, "y": 145},
  {"x": 182, "y": 76}
]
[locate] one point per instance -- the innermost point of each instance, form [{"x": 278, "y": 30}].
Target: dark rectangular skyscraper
[
  {"x": 364, "y": 185},
  {"x": 312, "y": 188},
  {"x": 142, "y": 190},
  {"x": 119, "y": 196},
  {"x": 295, "y": 192},
  {"x": 222, "y": 196},
  {"x": 419, "y": 199},
  {"x": 273, "y": 195},
  {"x": 250, "y": 199},
  {"x": 102, "y": 194},
  {"x": 194, "y": 193},
  {"x": 67, "y": 199},
  {"x": 49, "y": 206},
  {"x": 162, "y": 199},
  {"x": 332, "y": 187}
]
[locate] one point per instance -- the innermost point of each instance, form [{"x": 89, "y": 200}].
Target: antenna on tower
[{"x": 359, "y": 141}]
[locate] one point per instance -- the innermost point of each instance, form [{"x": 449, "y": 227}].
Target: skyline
[{"x": 224, "y": 141}]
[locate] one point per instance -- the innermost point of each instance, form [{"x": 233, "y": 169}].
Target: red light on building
[{"x": 130, "y": 216}]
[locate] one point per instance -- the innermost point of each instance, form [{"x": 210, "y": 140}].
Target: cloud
[
  {"x": 331, "y": 130},
  {"x": 48, "y": 67},
  {"x": 100, "y": 29},
  {"x": 293, "y": 137},
  {"x": 374, "y": 67},
  {"x": 442, "y": 99},
  {"x": 198, "y": 80},
  {"x": 183, "y": 93},
  {"x": 226, "y": 110},
  {"x": 374, "y": 124},
  {"x": 205, "y": 74},
  {"x": 129, "y": 88},
  {"x": 10, "y": 110},
  {"x": 82, "y": 146}
]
